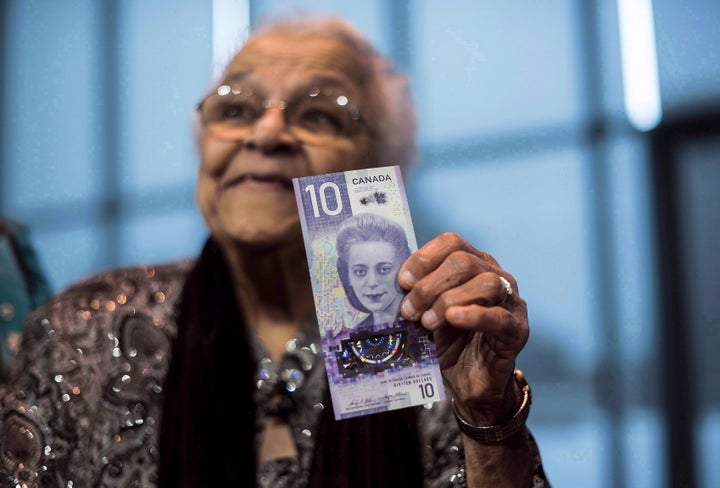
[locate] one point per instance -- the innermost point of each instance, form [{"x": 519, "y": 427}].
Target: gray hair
[{"x": 393, "y": 116}]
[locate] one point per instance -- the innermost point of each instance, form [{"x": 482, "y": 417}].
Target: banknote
[{"x": 357, "y": 231}]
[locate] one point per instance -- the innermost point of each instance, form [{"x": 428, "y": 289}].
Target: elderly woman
[{"x": 205, "y": 373}]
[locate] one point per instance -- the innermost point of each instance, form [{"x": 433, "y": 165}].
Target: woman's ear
[{"x": 197, "y": 129}]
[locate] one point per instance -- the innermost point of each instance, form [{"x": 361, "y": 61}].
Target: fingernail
[
  {"x": 408, "y": 310},
  {"x": 429, "y": 318},
  {"x": 407, "y": 277}
]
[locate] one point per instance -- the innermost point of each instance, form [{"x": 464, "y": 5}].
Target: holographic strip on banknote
[{"x": 358, "y": 231}]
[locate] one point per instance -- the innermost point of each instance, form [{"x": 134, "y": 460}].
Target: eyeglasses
[{"x": 318, "y": 116}]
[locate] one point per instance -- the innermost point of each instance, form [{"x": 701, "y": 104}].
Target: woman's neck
[{"x": 273, "y": 286}]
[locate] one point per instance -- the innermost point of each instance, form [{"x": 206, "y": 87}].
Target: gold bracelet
[{"x": 496, "y": 433}]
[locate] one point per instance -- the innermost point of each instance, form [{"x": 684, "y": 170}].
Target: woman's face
[
  {"x": 244, "y": 187},
  {"x": 372, "y": 270}
]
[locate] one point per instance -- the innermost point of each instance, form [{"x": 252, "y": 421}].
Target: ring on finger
[{"x": 507, "y": 286}]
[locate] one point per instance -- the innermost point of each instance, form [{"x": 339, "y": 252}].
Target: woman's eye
[
  {"x": 385, "y": 269},
  {"x": 321, "y": 120},
  {"x": 359, "y": 272},
  {"x": 238, "y": 112}
]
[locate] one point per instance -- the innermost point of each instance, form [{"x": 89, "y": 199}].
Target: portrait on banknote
[{"x": 357, "y": 232}]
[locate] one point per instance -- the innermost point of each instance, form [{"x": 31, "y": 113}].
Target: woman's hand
[{"x": 479, "y": 327}]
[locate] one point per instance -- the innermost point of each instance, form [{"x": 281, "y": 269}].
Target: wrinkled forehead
[{"x": 282, "y": 62}]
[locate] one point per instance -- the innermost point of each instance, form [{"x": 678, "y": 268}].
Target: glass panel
[
  {"x": 708, "y": 431},
  {"x": 699, "y": 180},
  {"x": 644, "y": 446},
  {"x": 366, "y": 16},
  {"x": 572, "y": 448},
  {"x": 162, "y": 237},
  {"x": 609, "y": 65},
  {"x": 71, "y": 255},
  {"x": 481, "y": 68},
  {"x": 635, "y": 274},
  {"x": 688, "y": 54},
  {"x": 633, "y": 277},
  {"x": 165, "y": 65},
  {"x": 50, "y": 98},
  {"x": 56, "y": 177}
]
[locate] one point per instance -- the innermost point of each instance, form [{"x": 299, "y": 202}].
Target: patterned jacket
[{"x": 82, "y": 405}]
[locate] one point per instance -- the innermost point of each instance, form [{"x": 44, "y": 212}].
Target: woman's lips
[
  {"x": 375, "y": 297},
  {"x": 261, "y": 181}
]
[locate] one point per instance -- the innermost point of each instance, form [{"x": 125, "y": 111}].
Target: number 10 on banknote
[{"x": 357, "y": 231}]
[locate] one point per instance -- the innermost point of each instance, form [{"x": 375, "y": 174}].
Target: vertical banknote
[{"x": 357, "y": 231}]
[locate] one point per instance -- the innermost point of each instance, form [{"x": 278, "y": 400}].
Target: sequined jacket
[{"x": 82, "y": 406}]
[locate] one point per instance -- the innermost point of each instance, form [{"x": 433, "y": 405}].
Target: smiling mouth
[
  {"x": 271, "y": 180},
  {"x": 375, "y": 297}
]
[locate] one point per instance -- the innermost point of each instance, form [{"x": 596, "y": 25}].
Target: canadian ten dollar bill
[{"x": 358, "y": 231}]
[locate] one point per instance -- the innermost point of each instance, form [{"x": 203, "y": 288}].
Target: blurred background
[{"x": 577, "y": 141}]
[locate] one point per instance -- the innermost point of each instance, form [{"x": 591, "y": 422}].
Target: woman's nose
[
  {"x": 271, "y": 133},
  {"x": 372, "y": 280}
]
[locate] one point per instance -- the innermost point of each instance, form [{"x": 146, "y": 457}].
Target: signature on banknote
[{"x": 376, "y": 400}]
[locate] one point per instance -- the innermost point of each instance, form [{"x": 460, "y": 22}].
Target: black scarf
[{"x": 208, "y": 419}]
